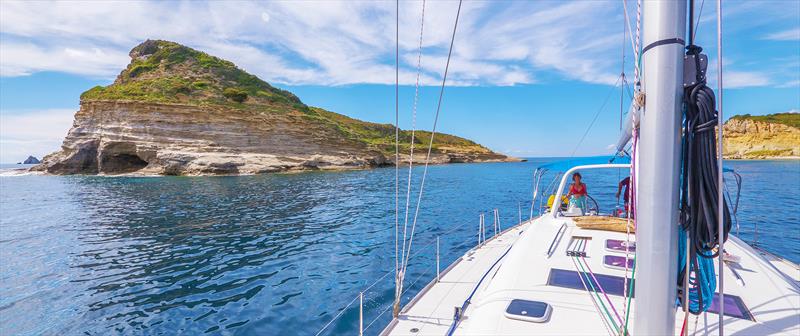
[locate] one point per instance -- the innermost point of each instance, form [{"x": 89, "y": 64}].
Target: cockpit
[{"x": 594, "y": 186}]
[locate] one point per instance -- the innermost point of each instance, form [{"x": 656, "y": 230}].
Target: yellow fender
[{"x": 550, "y": 200}]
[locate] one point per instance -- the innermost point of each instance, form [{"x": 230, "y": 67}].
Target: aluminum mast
[{"x": 658, "y": 167}]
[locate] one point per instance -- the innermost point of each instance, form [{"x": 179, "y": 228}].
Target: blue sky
[{"x": 526, "y": 77}]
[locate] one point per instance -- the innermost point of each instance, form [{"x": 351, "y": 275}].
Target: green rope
[
  {"x": 630, "y": 294},
  {"x": 602, "y": 303}
]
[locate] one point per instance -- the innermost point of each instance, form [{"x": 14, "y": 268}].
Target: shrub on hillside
[{"x": 237, "y": 95}]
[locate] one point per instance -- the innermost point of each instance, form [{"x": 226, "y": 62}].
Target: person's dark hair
[{"x": 576, "y": 175}]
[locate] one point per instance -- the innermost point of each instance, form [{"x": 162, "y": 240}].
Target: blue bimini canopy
[{"x": 566, "y": 164}]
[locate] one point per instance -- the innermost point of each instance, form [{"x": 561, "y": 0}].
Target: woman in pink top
[{"x": 577, "y": 192}]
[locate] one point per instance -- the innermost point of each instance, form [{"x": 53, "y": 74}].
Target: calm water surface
[{"x": 269, "y": 255}]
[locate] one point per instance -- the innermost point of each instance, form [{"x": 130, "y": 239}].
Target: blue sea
[{"x": 278, "y": 254}]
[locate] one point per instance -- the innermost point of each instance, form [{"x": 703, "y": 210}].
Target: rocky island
[
  {"x": 30, "y": 160},
  {"x": 178, "y": 111},
  {"x": 773, "y": 136}
]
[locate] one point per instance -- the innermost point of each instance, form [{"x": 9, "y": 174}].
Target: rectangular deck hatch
[
  {"x": 531, "y": 311},
  {"x": 616, "y": 245},
  {"x": 617, "y": 262},
  {"x": 734, "y": 307},
  {"x": 614, "y": 285}
]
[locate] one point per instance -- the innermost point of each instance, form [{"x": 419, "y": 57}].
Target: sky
[{"x": 526, "y": 78}]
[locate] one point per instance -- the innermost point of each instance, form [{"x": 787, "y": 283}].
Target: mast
[{"x": 658, "y": 167}]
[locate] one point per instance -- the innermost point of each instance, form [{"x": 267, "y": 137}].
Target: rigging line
[
  {"x": 581, "y": 246},
  {"x": 433, "y": 131},
  {"x": 597, "y": 114},
  {"x": 596, "y": 307},
  {"x": 634, "y": 40},
  {"x": 626, "y": 303},
  {"x": 375, "y": 283},
  {"x": 610, "y": 303},
  {"x": 720, "y": 200},
  {"x": 622, "y": 73},
  {"x": 396, "y": 141},
  {"x": 413, "y": 125},
  {"x": 389, "y": 306},
  {"x": 622, "y": 85},
  {"x": 337, "y": 316},
  {"x": 691, "y": 22},
  {"x": 637, "y": 53},
  {"x": 606, "y": 322},
  {"x": 630, "y": 210},
  {"x": 628, "y": 89},
  {"x": 697, "y": 24}
]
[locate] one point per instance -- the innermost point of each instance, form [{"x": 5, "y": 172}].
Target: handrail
[{"x": 560, "y": 233}]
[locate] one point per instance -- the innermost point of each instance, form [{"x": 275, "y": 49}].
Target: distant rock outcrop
[
  {"x": 762, "y": 137},
  {"x": 31, "y": 160},
  {"x": 178, "y": 111}
]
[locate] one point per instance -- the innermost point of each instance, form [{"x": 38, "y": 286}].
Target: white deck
[{"x": 769, "y": 287}]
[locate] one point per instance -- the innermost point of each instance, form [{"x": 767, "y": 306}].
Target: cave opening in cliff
[{"x": 121, "y": 163}]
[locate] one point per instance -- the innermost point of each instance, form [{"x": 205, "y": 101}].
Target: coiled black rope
[{"x": 699, "y": 189}]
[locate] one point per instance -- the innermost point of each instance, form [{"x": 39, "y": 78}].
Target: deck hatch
[
  {"x": 617, "y": 262},
  {"x": 571, "y": 279},
  {"x": 531, "y": 311},
  {"x": 614, "y": 285},
  {"x": 616, "y": 245},
  {"x": 734, "y": 307}
]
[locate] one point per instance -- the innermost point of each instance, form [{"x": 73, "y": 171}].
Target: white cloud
[
  {"x": 18, "y": 59},
  {"x": 349, "y": 42},
  {"x": 786, "y": 35},
  {"x": 790, "y": 84},
  {"x": 742, "y": 79},
  {"x": 324, "y": 42},
  {"x": 37, "y": 133}
]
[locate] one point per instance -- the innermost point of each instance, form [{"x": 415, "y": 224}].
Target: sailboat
[{"x": 665, "y": 265}]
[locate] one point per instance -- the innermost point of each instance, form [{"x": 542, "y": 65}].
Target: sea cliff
[
  {"x": 178, "y": 111},
  {"x": 772, "y": 136}
]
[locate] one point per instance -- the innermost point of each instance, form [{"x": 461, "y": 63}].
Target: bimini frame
[{"x": 554, "y": 208}]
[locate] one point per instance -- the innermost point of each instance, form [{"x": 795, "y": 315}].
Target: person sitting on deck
[{"x": 577, "y": 192}]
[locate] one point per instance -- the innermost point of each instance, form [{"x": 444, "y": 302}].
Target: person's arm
[
  {"x": 570, "y": 191},
  {"x": 619, "y": 187}
]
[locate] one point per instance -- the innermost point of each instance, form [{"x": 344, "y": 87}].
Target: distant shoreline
[{"x": 12, "y": 170}]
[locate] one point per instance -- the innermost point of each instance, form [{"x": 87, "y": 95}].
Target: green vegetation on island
[
  {"x": 762, "y": 137},
  {"x": 167, "y": 72},
  {"x": 788, "y": 118}
]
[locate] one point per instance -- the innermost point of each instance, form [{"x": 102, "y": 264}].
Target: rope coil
[{"x": 700, "y": 194}]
